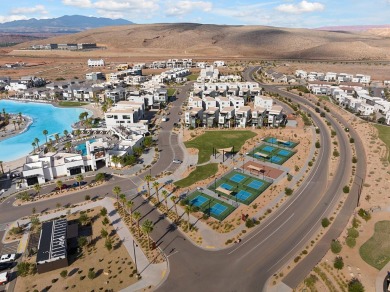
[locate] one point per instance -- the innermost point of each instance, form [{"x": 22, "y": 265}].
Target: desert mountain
[
  {"x": 204, "y": 40},
  {"x": 63, "y": 24}
]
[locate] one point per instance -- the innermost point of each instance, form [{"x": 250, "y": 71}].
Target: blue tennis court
[
  {"x": 271, "y": 140},
  {"x": 255, "y": 184},
  {"x": 226, "y": 186},
  {"x": 284, "y": 152},
  {"x": 268, "y": 148},
  {"x": 276, "y": 159},
  {"x": 198, "y": 201},
  {"x": 243, "y": 195},
  {"x": 237, "y": 178},
  {"x": 218, "y": 209}
]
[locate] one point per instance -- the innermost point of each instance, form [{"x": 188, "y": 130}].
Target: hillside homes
[{"x": 333, "y": 77}]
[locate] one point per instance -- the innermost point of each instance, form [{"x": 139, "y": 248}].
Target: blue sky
[{"x": 284, "y": 13}]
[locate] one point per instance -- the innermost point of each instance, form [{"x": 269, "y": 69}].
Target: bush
[
  {"x": 364, "y": 214},
  {"x": 249, "y": 223},
  {"x": 355, "y": 223},
  {"x": 318, "y": 145},
  {"x": 297, "y": 259},
  {"x": 335, "y": 246},
  {"x": 91, "y": 274},
  {"x": 311, "y": 280},
  {"x": 289, "y": 177},
  {"x": 322, "y": 114},
  {"x": 355, "y": 286},
  {"x": 310, "y": 163},
  {"x": 103, "y": 212},
  {"x": 346, "y": 189},
  {"x": 288, "y": 191},
  {"x": 325, "y": 222},
  {"x": 23, "y": 269},
  {"x": 15, "y": 230},
  {"x": 317, "y": 130},
  {"x": 338, "y": 263},
  {"x": 351, "y": 140},
  {"x": 352, "y": 232},
  {"x": 64, "y": 273},
  {"x": 87, "y": 197},
  {"x": 351, "y": 242},
  {"x": 354, "y": 160},
  {"x": 336, "y": 153}
]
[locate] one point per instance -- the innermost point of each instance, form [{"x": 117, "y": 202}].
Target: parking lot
[{"x": 10, "y": 248}]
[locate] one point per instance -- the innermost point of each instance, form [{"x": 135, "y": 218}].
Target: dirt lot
[{"x": 114, "y": 270}]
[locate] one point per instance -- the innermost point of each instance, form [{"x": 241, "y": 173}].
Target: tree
[
  {"x": 103, "y": 212},
  {"x": 100, "y": 177},
  {"x": 24, "y": 196},
  {"x": 59, "y": 185},
  {"x": 122, "y": 198},
  {"x": 147, "y": 228},
  {"x": 14, "y": 122},
  {"x": 92, "y": 274},
  {"x": 338, "y": 263},
  {"x": 66, "y": 133},
  {"x": 68, "y": 145},
  {"x": 64, "y": 273},
  {"x": 82, "y": 241},
  {"x": 156, "y": 185},
  {"x": 355, "y": 286},
  {"x": 148, "y": 179},
  {"x": 188, "y": 209},
  {"x": 165, "y": 195},
  {"x": 137, "y": 216},
  {"x": 83, "y": 219},
  {"x": 45, "y": 132},
  {"x": 79, "y": 179},
  {"x": 129, "y": 207},
  {"x": 335, "y": 246},
  {"x": 116, "y": 190},
  {"x": 78, "y": 133},
  {"x": 148, "y": 141},
  {"x": 174, "y": 200},
  {"x": 23, "y": 269},
  {"x": 105, "y": 221},
  {"x": 36, "y": 141},
  {"x": 115, "y": 159},
  {"x": 346, "y": 189},
  {"x": 108, "y": 244},
  {"x": 325, "y": 222},
  {"x": 104, "y": 233},
  {"x": 33, "y": 145},
  {"x": 1, "y": 165},
  {"x": 57, "y": 137}
]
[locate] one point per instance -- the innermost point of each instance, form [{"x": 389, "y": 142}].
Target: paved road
[{"x": 248, "y": 265}]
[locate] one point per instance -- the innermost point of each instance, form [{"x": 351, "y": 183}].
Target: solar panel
[{"x": 52, "y": 243}]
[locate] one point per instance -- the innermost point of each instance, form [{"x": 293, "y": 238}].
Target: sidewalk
[
  {"x": 381, "y": 277},
  {"x": 152, "y": 274}
]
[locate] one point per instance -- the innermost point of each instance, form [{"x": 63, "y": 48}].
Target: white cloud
[
  {"x": 127, "y": 6},
  {"x": 12, "y": 18},
  {"x": 185, "y": 6},
  {"x": 30, "y": 10},
  {"x": 301, "y": 7},
  {"x": 78, "y": 3}
]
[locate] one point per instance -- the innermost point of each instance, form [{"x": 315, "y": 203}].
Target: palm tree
[
  {"x": 116, "y": 190},
  {"x": 137, "y": 216},
  {"x": 18, "y": 122},
  {"x": 1, "y": 165},
  {"x": 78, "y": 133},
  {"x": 79, "y": 179},
  {"x": 45, "y": 132},
  {"x": 173, "y": 199},
  {"x": 20, "y": 116},
  {"x": 122, "y": 198},
  {"x": 165, "y": 195},
  {"x": 57, "y": 137},
  {"x": 36, "y": 140},
  {"x": 66, "y": 133},
  {"x": 129, "y": 207},
  {"x": 188, "y": 209},
  {"x": 148, "y": 179},
  {"x": 104, "y": 108},
  {"x": 33, "y": 145},
  {"x": 68, "y": 145},
  {"x": 59, "y": 185},
  {"x": 14, "y": 122},
  {"x": 147, "y": 228},
  {"x": 156, "y": 185},
  {"x": 37, "y": 188}
]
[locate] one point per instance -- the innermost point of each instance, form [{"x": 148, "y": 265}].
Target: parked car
[
  {"x": 6, "y": 266},
  {"x": 64, "y": 186},
  {"x": 178, "y": 161},
  {"x": 5, "y": 258},
  {"x": 164, "y": 119},
  {"x": 4, "y": 278}
]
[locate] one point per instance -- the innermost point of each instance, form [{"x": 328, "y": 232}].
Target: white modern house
[
  {"x": 124, "y": 113},
  {"x": 95, "y": 63}
]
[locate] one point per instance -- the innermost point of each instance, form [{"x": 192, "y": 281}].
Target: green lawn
[
  {"x": 218, "y": 139},
  {"x": 200, "y": 173},
  {"x": 384, "y": 135},
  {"x": 192, "y": 77},
  {"x": 376, "y": 250},
  {"x": 171, "y": 91},
  {"x": 71, "y": 103},
  {"x": 323, "y": 97}
]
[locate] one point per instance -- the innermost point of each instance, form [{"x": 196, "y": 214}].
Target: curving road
[{"x": 243, "y": 267}]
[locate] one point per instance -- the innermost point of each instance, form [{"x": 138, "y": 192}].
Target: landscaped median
[
  {"x": 71, "y": 103},
  {"x": 384, "y": 135}
]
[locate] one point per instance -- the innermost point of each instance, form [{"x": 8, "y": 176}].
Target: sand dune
[{"x": 202, "y": 40}]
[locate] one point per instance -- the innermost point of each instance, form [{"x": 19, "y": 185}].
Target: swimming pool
[
  {"x": 83, "y": 148},
  {"x": 44, "y": 116}
]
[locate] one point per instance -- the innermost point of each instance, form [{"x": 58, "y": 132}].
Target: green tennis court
[{"x": 271, "y": 154}]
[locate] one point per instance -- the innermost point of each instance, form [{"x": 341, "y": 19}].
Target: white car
[
  {"x": 7, "y": 258},
  {"x": 178, "y": 161}
]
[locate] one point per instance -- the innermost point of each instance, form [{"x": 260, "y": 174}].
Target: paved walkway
[
  {"x": 381, "y": 277},
  {"x": 152, "y": 274}
]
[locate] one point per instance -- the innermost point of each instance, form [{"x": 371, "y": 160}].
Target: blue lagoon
[{"x": 44, "y": 117}]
